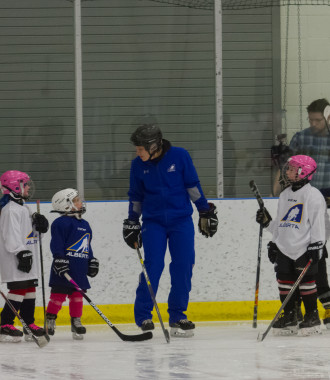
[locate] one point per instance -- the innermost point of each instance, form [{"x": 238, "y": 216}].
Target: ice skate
[
  {"x": 36, "y": 331},
  {"x": 9, "y": 333},
  {"x": 51, "y": 323},
  {"x": 311, "y": 324},
  {"x": 147, "y": 325},
  {"x": 326, "y": 318},
  {"x": 78, "y": 330},
  {"x": 182, "y": 329},
  {"x": 286, "y": 324}
]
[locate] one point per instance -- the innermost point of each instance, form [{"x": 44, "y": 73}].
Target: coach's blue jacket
[{"x": 162, "y": 190}]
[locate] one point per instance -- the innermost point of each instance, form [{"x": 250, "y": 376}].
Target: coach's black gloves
[
  {"x": 263, "y": 217},
  {"x": 24, "y": 261},
  {"x": 208, "y": 221},
  {"x": 132, "y": 233},
  {"x": 93, "y": 267},
  {"x": 40, "y": 223},
  {"x": 314, "y": 251},
  {"x": 60, "y": 266},
  {"x": 272, "y": 252}
]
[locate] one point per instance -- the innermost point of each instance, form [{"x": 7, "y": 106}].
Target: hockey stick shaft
[
  {"x": 40, "y": 342},
  {"x": 124, "y": 337},
  {"x": 286, "y": 300},
  {"x": 42, "y": 276},
  {"x": 255, "y": 190},
  {"x": 152, "y": 294}
]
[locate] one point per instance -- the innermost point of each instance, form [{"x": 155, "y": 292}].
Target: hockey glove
[
  {"x": 24, "y": 261},
  {"x": 40, "y": 223},
  {"x": 132, "y": 233},
  {"x": 208, "y": 221},
  {"x": 60, "y": 266},
  {"x": 93, "y": 267},
  {"x": 272, "y": 252},
  {"x": 315, "y": 251},
  {"x": 263, "y": 217}
]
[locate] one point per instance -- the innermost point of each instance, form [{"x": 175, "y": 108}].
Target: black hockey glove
[
  {"x": 315, "y": 251},
  {"x": 208, "y": 221},
  {"x": 24, "y": 261},
  {"x": 132, "y": 233},
  {"x": 93, "y": 267},
  {"x": 61, "y": 266},
  {"x": 263, "y": 217},
  {"x": 272, "y": 252},
  {"x": 40, "y": 223}
]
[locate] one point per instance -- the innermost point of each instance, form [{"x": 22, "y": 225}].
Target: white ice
[{"x": 219, "y": 350}]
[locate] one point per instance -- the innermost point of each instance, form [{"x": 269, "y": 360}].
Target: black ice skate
[
  {"x": 78, "y": 330},
  {"x": 182, "y": 329},
  {"x": 9, "y": 333},
  {"x": 51, "y": 324},
  {"x": 36, "y": 331},
  {"x": 147, "y": 325},
  {"x": 311, "y": 324},
  {"x": 287, "y": 324},
  {"x": 326, "y": 318}
]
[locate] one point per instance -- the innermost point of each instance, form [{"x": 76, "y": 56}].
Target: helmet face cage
[
  {"x": 298, "y": 168},
  {"x": 18, "y": 184},
  {"x": 63, "y": 202},
  {"x": 149, "y": 136}
]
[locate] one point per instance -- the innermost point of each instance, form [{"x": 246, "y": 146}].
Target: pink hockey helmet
[
  {"x": 15, "y": 182},
  {"x": 305, "y": 165}
]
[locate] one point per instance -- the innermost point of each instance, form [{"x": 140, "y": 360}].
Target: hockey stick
[
  {"x": 152, "y": 294},
  {"x": 261, "y": 337},
  {"x": 41, "y": 341},
  {"x": 126, "y": 338},
  {"x": 255, "y": 190},
  {"x": 42, "y": 277}
]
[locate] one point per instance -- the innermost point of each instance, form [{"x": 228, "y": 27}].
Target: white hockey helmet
[{"x": 62, "y": 202}]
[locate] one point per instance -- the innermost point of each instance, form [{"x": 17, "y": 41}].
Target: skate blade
[
  {"x": 315, "y": 330},
  {"x": 285, "y": 331},
  {"x": 179, "y": 333},
  {"x": 10, "y": 339},
  {"x": 76, "y": 336}
]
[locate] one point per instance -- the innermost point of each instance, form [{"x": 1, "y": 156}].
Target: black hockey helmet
[{"x": 149, "y": 136}]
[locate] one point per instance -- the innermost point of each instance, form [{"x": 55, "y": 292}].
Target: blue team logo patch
[
  {"x": 81, "y": 246},
  {"x": 294, "y": 215},
  {"x": 171, "y": 168},
  {"x": 32, "y": 238}
]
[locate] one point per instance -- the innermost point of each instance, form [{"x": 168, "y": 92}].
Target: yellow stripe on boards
[{"x": 197, "y": 312}]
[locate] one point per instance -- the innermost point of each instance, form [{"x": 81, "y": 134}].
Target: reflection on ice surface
[{"x": 219, "y": 350}]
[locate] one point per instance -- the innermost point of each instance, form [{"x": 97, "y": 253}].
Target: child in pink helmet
[
  {"x": 19, "y": 265},
  {"x": 299, "y": 234}
]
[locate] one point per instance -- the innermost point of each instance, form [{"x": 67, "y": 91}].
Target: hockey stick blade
[{"x": 127, "y": 338}]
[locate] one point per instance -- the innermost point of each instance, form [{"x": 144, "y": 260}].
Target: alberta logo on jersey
[
  {"x": 80, "y": 248},
  {"x": 171, "y": 168},
  {"x": 293, "y": 217},
  {"x": 32, "y": 238}
]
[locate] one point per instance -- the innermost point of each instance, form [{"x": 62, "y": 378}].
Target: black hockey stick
[
  {"x": 42, "y": 278},
  {"x": 152, "y": 295},
  {"x": 41, "y": 341},
  {"x": 126, "y": 338},
  {"x": 261, "y": 337},
  {"x": 255, "y": 190}
]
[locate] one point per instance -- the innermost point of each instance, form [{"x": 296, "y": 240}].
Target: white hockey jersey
[
  {"x": 17, "y": 234},
  {"x": 301, "y": 220}
]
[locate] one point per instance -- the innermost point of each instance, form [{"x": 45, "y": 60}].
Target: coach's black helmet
[{"x": 149, "y": 136}]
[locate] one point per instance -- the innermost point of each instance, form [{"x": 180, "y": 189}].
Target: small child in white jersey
[{"x": 298, "y": 236}]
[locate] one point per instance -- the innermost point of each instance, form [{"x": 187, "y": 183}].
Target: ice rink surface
[{"x": 219, "y": 350}]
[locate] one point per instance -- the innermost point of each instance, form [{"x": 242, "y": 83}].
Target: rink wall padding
[{"x": 224, "y": 275}]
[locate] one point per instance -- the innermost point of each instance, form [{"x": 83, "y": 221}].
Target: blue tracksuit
[
  {"x": 71, "y": 239},
  {"x": 162, "y": 191}
]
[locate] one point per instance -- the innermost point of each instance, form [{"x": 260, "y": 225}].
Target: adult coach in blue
[{"x": 163, "y": 182}]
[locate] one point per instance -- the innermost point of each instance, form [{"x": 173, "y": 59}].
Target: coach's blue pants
[{"x": 180, "y": 237}]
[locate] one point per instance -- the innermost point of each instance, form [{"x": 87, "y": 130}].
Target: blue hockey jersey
[
  {"x": 162, "y": 190},
  {"x": 71, "y": 239}
]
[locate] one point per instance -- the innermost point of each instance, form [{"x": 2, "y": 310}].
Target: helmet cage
[
  {"x": 63, "y": 202},
  {"x": 304, "y": 167},
  {"x": 17, "y": 184}
]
